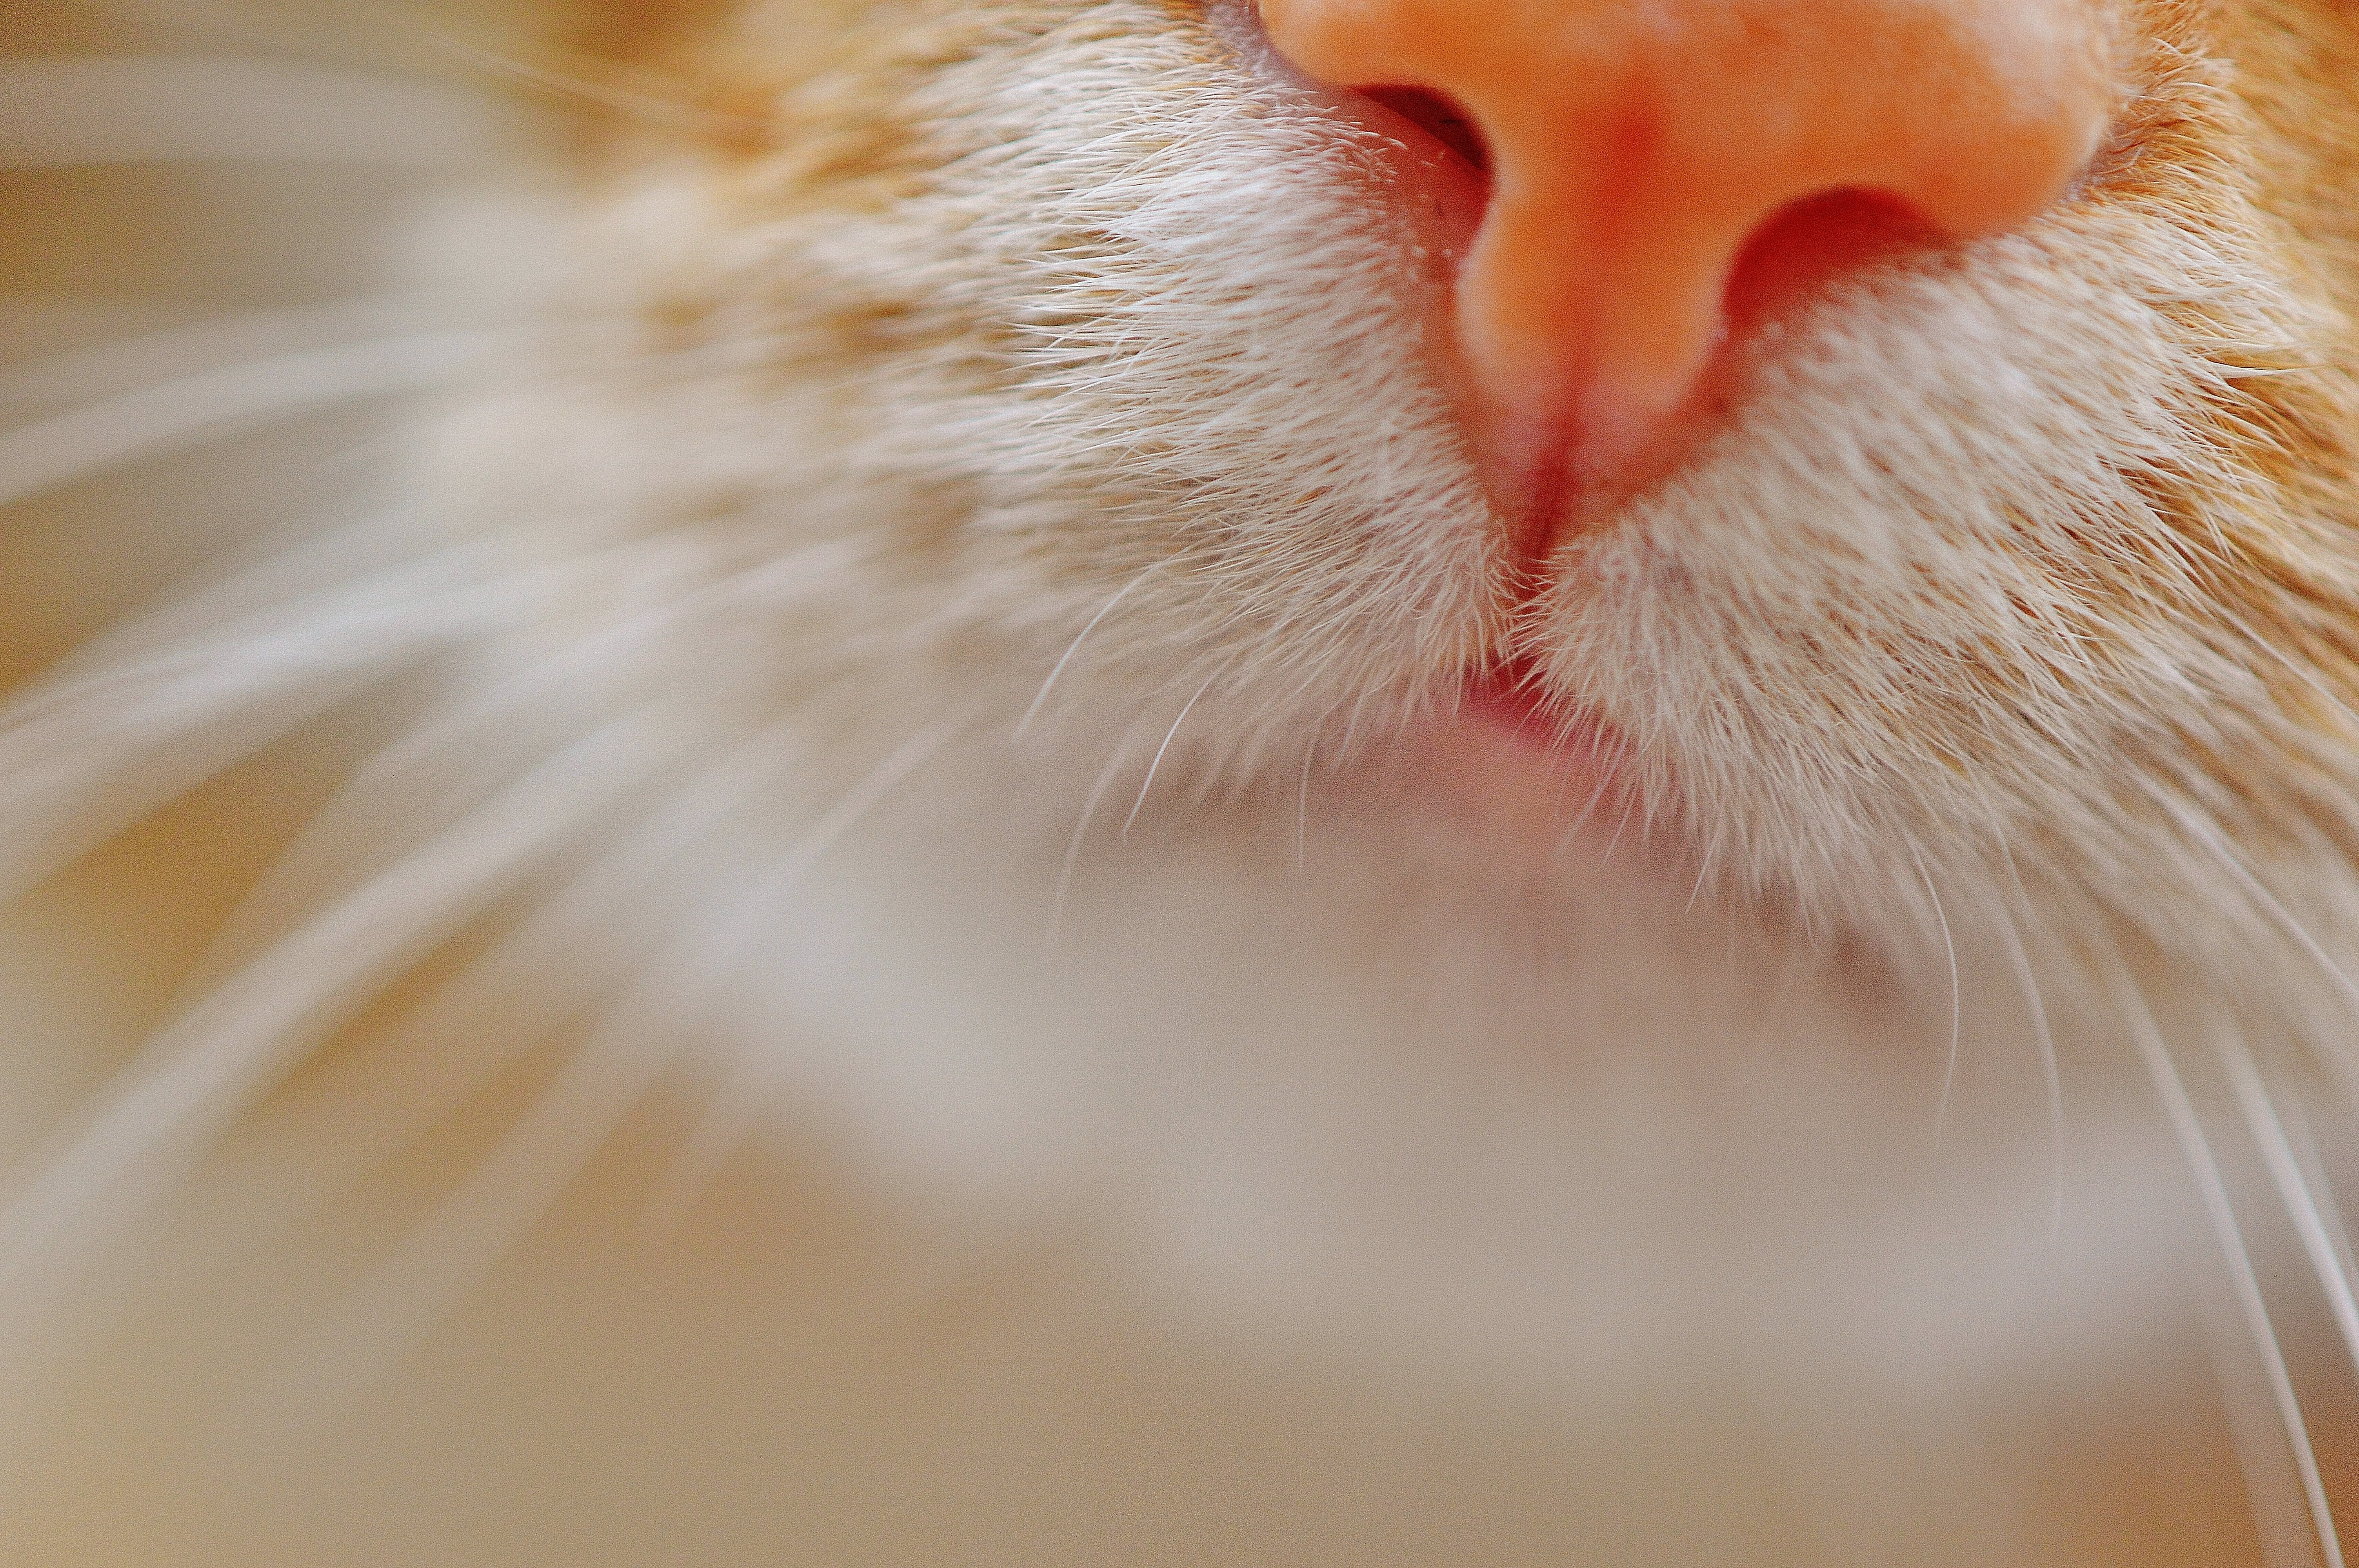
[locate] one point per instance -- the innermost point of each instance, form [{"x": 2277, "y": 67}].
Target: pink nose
[{"x": 1637, "y": 145}]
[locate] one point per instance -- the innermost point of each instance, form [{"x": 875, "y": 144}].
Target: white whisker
[
  {"x": 1080, "y": 831},
  {"x": 1628, "y": 806},
  {"x": 211, "y": 405},
  {"x": 1957, "y": 1001},
  {"x": 1148, "y": 783},
  {"x": 2234, "y": 863},
  {"x": 2027, "y": 981},
  {"x": 1302, "y": 811},
  {"x": 1103, "y": 610},
  {"x": 122, "y": 365},
  {"x": 2296, "y": 1127},
  {"x": 2222, "y": 1213},
  {"x": 85, "y": 755},
  {"x": 677, "y": 112},
  {"x": 196, "y": 1076},
  {"x": 840, "y": 820},
  {"x": 2328, "y": 1255},
  {"x": 60, "y": 113},
  {"x": 1704, "y": 864},
  {"x": 440, "y": 767},
  {"x": 425, "y": 1067},
  {"x": 1588, "y": 808},
  {"x": 478, "y": 1223}
]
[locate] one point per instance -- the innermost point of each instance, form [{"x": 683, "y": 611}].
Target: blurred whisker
[
  {"x": 2317, "y": 1224},
  {"x": 1957, "y": 996},
  {"x": 199, "y": 1075},
  {"x": 1155, "y": 765},
  {"x": 433, "y": 771},
  {"x": 84, "y": 755},
  {"x": 111, "y": 369},
  {"x": 472, "y": 1229},
  {"x": 2265, "y": 902},
  {"x": 2026, "y": 982},
  {"x": 429, "y": 1064},
  {"x": 65, "y": 112},
  {"x": 1080, "y": 833},
  {"x": 211, "y": 405},
  {"x": 2221, "y": 1212},
  {"x": 2295, "y": 1124},
  {"x": 679, "y": 114},
  {"x": 738, "y": 1109},
  {"x": 1103, "y": 610},
  {"x": 613, "y": 1073}
]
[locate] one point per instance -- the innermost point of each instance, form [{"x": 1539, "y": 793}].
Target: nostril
[
  {"x": 1438, "y": 116},
  {"x": 1808, "y": 246},
  {"x": 1632, "y": 195},
  {"x": 1794, "y": 258}
]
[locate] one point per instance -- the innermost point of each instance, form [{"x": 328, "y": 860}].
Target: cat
[{"x": 809, "y": 781}]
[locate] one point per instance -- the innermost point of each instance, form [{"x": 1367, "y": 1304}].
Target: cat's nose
[{"x": 1635, "y": 147}]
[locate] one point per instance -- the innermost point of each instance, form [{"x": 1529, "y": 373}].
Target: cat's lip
[
  {"x": 1516, "y": 713},
  {"x": 1510, "y": 760},
  {"x": 1508, "y": 697}
]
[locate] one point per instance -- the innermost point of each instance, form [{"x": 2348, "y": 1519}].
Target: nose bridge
[{"x": 1636, "y": 145}]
